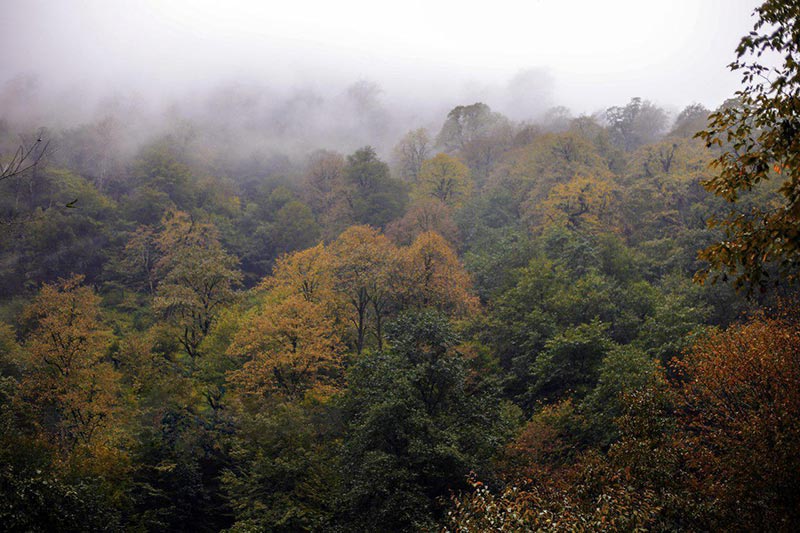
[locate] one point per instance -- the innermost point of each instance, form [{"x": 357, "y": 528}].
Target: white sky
[{"x": 597, "y": 52}]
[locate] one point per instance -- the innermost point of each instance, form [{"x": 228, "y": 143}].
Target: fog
[{"x": 302, "y": 75}]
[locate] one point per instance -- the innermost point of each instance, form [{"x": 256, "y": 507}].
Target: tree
[
  {"x": 25, "y": 158},
  {"x": 478, "y": 135},
  {"x": 445, "y": 178},
  {"x": 292, "y": 347},
  {"x": 54, "y": 241},
  {"x": 412, "y": 150},
  {"x": 557, "y": 119},
  {"x": 738, "y": 400},
  {"x": 638, "y": 123},
  {"x": 323, "y": 179},
  {"x": 284, "y": 476},
  {"x": 293, "y": 228},
  {"x": 139, "y": 259},
  {"x": 570, "y": 363},
  {"x": 308, "y": 273},
  {"x": 69, "y": 377},
  {"x": 759, "y": 137},
  {"x": 22, "y": 163},
  {"x": 292, "y": 341},
  {"x": 689, "y": 121},
  {"x": 717, "y": 442},
  {"x": 161, "y": 167},
  {"x": 94, "y": 150},
  {"x": 423, "y": 215},
  {"x": 432, "y": 276},
  {"x": 373, "y": 196},
  {"x": 530, "y": 172},
  {"x": 484, "y": 152},
  {"x": 325, "y": 191},
  {"x": 464, "y": 124},
  {"x": 624, "y": 370},
  {"x": 417, "y": 426},
  {"x": 582, "y": 203},
  {"x": 365, "y": 266},
  {"x": 197, "y": 278}
]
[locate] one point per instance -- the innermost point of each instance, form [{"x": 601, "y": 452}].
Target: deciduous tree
[
  {"x": 759, "y": 137},
  {"x": 197, "y": 277},
  {"x": 412, "y": 150},
  {"x": 739, "y": 405},
  {"x": 292, "y": 347},
  {"x": 69, "y": 375},
  {"x": 432, "y": 276},
  {"x": 365, "y": 266},
  {"x": 445, "y": 178}
]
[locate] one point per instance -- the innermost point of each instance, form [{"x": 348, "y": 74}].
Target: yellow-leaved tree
[
  {"x": 432, "y": 276},
  {"x": 292, "y": 340},
  {"x": 307, "y": 273},
  {"x": 586, "y": 203},
  {"x": 293, "y": 348},
  {"x": 445, "y": 178},
  {"x": 69, "y": 378},
  {"x": 365, "y": 266}
]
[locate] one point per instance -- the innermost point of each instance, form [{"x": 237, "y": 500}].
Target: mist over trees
[{"x": 246, "y": 307}]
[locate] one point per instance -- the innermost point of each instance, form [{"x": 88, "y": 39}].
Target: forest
[{"x": 577, "y": 323}]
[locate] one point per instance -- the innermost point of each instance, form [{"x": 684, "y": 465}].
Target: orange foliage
[
  {"x": 542, "y": 448},
  {"x": 434, "y": 277},
  {"x": 739, "y": 405}
]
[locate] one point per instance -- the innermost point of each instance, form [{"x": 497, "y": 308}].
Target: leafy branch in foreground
[{"x": 759, "y": 134}]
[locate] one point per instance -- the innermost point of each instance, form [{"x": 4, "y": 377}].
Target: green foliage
[
  {"x": 418, "y": 425},
  {"x": 373, "y": 196},
  {"x": 176, "y": 482},
  {"x": 284, "y": 474},
  {"x": 758, "y": 134},
  {"x": 358, "y": 386},
  {"x": 160, "y": 167},
  {"x": 570, "y": 363},
  {"x": 55, "y": 241},
  {"x": 624, "y": 370},
  {"x": 197, "y": 278},
  {"x": 34, "y": 499},
  {"x": 294, "y": 228}
]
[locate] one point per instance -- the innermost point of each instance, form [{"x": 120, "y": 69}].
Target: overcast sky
[{"x": 585, "y": 54}]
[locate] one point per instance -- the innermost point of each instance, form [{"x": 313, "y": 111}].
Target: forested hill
[{"x": 494, "y": 326}]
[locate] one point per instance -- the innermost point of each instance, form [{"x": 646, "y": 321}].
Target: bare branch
[{"x": 25, "y": 158}]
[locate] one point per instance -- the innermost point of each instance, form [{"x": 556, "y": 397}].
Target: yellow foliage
[
  {"x": 365, "y": 266},
  {"x": 584, "y": 202},
  {"x": 69, "y": 380},
  {"x": 293, "y": 347},
  {"x": 307, "y": 272},
  {"x": 445, "y": 178},
  {"x": 432, "y": 276}
]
